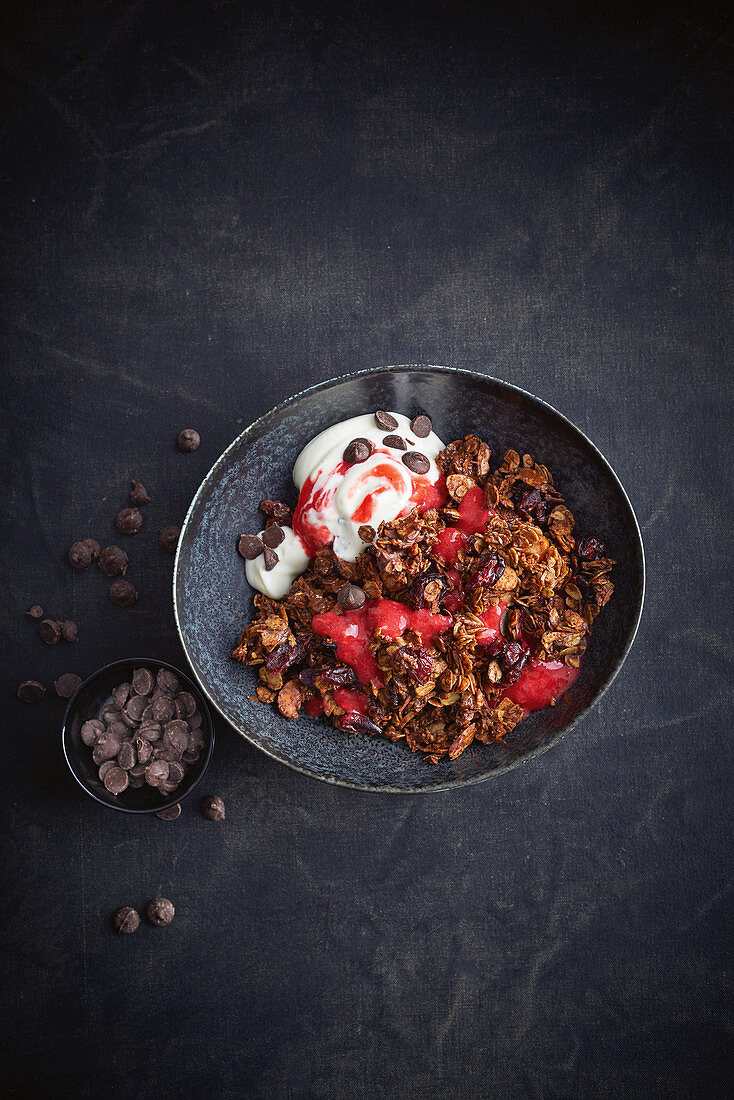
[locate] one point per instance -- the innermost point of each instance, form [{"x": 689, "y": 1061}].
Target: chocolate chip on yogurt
[
  {"x": 273, "y": 536},
  {"x": 416, "y": 462},
  {"x": 250, "y": 547},
  {"x": 396, "y": 442},
  {"x": 421, "y": 426},
  {"x": 359, "y": 450},
  {"x": 271, "y": 558},
  {"x": 385, "y": 421}
]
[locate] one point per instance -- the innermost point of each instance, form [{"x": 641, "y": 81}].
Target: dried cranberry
[
  {"x": 489, "y": 570},
  {"x": 341, "y": 676},
  {"x": 427, "y": 590},
  {"x": 531, "y": 505},
  {"x": 354, "y": 722},
  {"x": 590, "y": 548},
  {"x": 512, "y": 661},
  {"x": 495, "y": 647},
  {"x": 284, "y": 656},
  {"x": 417, "y": 663},
  {"x": 585, "y": 587}
]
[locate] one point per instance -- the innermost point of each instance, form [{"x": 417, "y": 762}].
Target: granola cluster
[{"x": 443, "y": 696}]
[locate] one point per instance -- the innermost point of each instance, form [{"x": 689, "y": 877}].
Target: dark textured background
[{"x": 209, "y": 205}]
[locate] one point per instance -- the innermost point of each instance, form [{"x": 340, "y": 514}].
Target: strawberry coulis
[{"x": 473, "y": 516}]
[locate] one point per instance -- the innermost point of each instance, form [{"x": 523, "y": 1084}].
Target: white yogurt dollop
[{"x": 336, "y": 498}]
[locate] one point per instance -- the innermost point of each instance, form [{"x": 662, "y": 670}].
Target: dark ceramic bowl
[
  {"x": 213, "y": 600},
  {"x": 86, "y": 703}
]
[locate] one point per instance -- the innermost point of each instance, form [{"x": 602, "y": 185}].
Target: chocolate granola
[{"x": 524, "y": 566}]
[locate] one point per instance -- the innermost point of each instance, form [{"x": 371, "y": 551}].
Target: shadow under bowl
[
  {"x": 213, "y": 601},
  {"x": 86, "y": 703}
]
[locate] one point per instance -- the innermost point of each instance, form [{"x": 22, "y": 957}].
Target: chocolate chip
[
  {"x": 123, "y": 593},
  {"x": 80, "y": 555},
  {"x": 175, "y": 736},
  {"x": 126, "y": 921},
  {"x": 366, "y": 533},
  {"x": 167, "y": 681},
  {"x": 273, "y": 536},
  {"x": 212, "y": 807},
  {"x": 49, "y": 631},
  {"x": 104, "y": 768},
  {"x": 35, "y": 612},
  {"x": 249, "y": 547},
  {"x": 119, "y": 729},
  {"x": 171, "y": 813},
  {"x": 416, "y": 462},
  {"x": 385, "y": 421},
  {"x": 90, "y": 731},
  {"x": 151, "y": 731},
  {"x": 168, "y": 538},
  {"x": 116, "y": 781},
  {"x": 113, "y": 561},
  {"x": 187, "y": 703},
  {"x": 129, "y": 521},
  {"x": 111, "y": 714},
  {"x": 160, "y": 912},
  {"x": 30, "y": 691},
  {"x": 126, "y": 757},
  {"x": 396, "y": 442},
  {"x": 143, "y": 750},
  {"x": 142, "y": 681},
  {"x": 195, "y": 720},
  {"x": 163, "y": 709},
  {"x": 350, "y": 598},
  {"x": 138, "y": 494},
  {"x": 94, "y": 548},
  {"x": 67, "y": 684},
  {"x": 176, "y": 772},
  {"x": 69, "y": 630},
  {"x": 121, "y": 694},
  {"x": 188, "y": 440},
  {"x": 271, "y": 558},
  {"x": 359, "y": 450},
  {"x": 156, "y": 773},
  {"x": 275, "y": 509},
  {"x": 135, "y": 707},
  {"x": 421, "y": 426},
  {"x": 107, "y": 748}
]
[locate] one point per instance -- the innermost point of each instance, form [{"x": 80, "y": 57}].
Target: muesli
[{"x": 418, "y": 593}]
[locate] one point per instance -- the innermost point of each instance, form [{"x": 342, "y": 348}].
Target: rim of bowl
[
  {"x": 202, "y": 699},
  {"x": 452, "y": 783}
]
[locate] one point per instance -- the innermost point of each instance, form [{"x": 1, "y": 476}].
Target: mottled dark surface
[
  {"x": 211, "y": 592},
  {"x": 209, "y": 206}
]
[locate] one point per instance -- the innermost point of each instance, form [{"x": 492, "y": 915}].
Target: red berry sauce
[
  {"x": 473, "y": 516},
  {"x": 541, "y": 683}
]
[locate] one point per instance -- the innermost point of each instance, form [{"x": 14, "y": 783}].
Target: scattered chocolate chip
[
  {"x": 90, "y": 731},
  {"x": 142, "y": 681},
  {"x": 104, "y": 768},
  {"x": 129, "y": 521},
  {"x": 123, "y": 593},
  {"x": 366, "y": 533},
  {"x": 69, "y": 631},
  {"x": 116, "y": 780},
  {"x": 421, "y": 426},
  {"x": 113, "y": 561},
  {"x": 359, "y": 450},
  {"x": 350, "y": 597},
  {"x": 275, "y": 509},
  {"x": 94, "y": 548},
  {"x": 385, "y": 421},
  {"x": 156, "y": 773},
  {"x": 273, "y": 536},
  {"x": 188, "y": 440},
  {"x": 67, "y": 684},
  {"x": 138, "y": 494},
  {"x": 160, "y": 912},
  {"x": 168, "y": 538},
  {"x": 250, "y": 547},
  {"x": 80, "y": 555},
  {"x": 396, "y": 442},
  {"x": 49, "y": 631},
  {"x": 121, "y": 694},
  {"x": 271, "y": 558},
  {"x": 176, "y": 772},
  {"x": 35, "y": 612},
  {"x": 171, "y": 813},
  {"x": 126, "y": 757},
  {"x": 212, "y": 807},
  {"x": 126, "y": 921},
  {"x": 30, "y": 691},
  {"x": 416, "y": 462}
]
